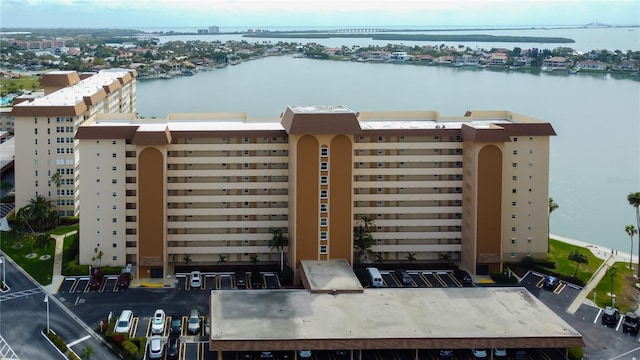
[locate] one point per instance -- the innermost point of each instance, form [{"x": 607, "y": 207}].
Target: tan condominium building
[
  {"x": 45, "y": 128},
  {"x": 200, "y": 188}
]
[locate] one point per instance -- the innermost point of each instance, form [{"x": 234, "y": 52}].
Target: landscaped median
[
  {"x": 59, "y": 344},
  {"x": 129, "y": 348}
]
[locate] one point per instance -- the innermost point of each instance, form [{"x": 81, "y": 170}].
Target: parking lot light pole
[
  {"x": 4, "y": 282},
  {"x": 46, "y": 299}
]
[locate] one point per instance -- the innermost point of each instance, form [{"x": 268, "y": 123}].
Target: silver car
[
  {"x": 194, "y": 321},
  {"x": 155, "y": 347}
]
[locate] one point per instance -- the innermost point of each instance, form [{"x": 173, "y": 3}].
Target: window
[
  {"x": 515, "y": 152},
  {"x": 114, "y": 220},
  {"x": 324, "y": 208},
  {"x": 114, "y": 142},
  {"x": 513, "y": 203},
  {"x": 113, "y": 155},
  {"x": 513, "y": 229},
  {"x": 115, "y": 258},
  {"x": 324, "y": 194},
  {"x": 114, "y": 233},
  {"x": 324, "y": 180},
  {"x": 513, "y": 254},
  {"x": 514, "y": 165},
  {"x": 324, "y": 221},
  {"x": 323, "y": 249},
  {"x": 114, "y": 245},
  {"x": 324, "y": 166},
  {"x": 513, "y": 241},
  {"x": 114, "y": 168},
  {"x": 323, "y": 235},
  {"x": 514, "y": 177},
  {"x": 513, "y": 191},
  {"x": 324, "y": 151},
  {"x": 113, "y": 194},
  {"x": 513, "y": 216},
  {"x": 515, "y": 139},
  {"x": 114, "y": 207}
]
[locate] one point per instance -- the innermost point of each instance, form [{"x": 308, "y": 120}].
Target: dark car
[
  {"x": 550, "y": 282},
  {"x": 631, "y": 323},
  {"x": 463, "y": 277},
  {"x": 176, "y": 324},
  {"x": 403, "y": 276},
  {"x": 446, "y": 354},
  {"x": 610, "y": 316},
  {"x": 521, "y": 355},
  {"x": 247, "y": 356},
  {"x": 241, "y": 280},
  {"x": 96, "y": 280},
  {"x": 266, "y": 355},
  {"x": 256, "y": 280},
  {"x": 124, "y": 279},
  {"x": 173, "y": 347},
  {"x": 341, "y": 354}
]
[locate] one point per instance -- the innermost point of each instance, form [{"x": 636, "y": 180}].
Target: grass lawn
[
  {"x": 65, "y": 229},
  {"x": 623, "y": 288},
  {"x": 559, "y": 252},
  {"x": 23, "y": 82},
  {"x": 40, "y": 270}
]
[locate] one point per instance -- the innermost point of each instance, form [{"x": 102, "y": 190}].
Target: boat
[
  {"x": 574, "y": 70},
  {"x": 186, "y": 73}
]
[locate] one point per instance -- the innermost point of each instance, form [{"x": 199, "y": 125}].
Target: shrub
[
  {"x": 74, "y": 269},
  {"x": 111, "y": 270},
  {"x": 69, "y": 220},
  {"x": 56, "y": 340},
  {"x": 569, "y": 279},
  {"x": 576, "y": 353},
  {"x": 130, "y": 349}
]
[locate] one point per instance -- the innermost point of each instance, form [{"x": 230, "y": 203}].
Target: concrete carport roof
[{"x": 413, "y": 318}]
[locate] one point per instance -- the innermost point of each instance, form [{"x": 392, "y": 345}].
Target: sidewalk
[
  {"x": 592, "y": 283},
  {"x": 56, "y": 276}
]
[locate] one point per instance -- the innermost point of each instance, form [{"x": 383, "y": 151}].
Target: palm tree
[
  {"x": 612, "y": 271},
  {"x": 362, "y": 238},
  {"x": 411, "y": 257},
  {"x": 278, "y": 242},
  {"x": 57, "y": 180},
  {"x": 631, "y": 230},
  {"x": 37, "y": 215},
  {"x": 254, "y": 260},
  {"x": 552, "y": 207},
  {"x": 579, "y": 258},
  {"x": 87, "y": 353},
  {"x": 634, "y": 200}
]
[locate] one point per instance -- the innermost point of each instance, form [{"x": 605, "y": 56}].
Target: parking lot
[{"x": 422, "y": 279}]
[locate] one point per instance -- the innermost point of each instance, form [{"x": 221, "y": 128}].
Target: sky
[{"x": 309, "y": 13}]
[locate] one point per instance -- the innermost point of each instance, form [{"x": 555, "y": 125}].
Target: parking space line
[
  {"x": 115, "y": 287},
  {"x": 455, "y": 281},
  {"x": 393, "y": 276},
  {"x": 86, "y": 288},
  {"x": 437, "y": 276},
  {"x": 202, "y": 322},
  {"x": 73, "y": 286},
  {"x": 148, "y": 331},
  {"x": 559, "y": 288},
  {"x": 182, "y": 353},
  {"x": 597, "y": 316},
  {"x": 102, "y": 285},
  {"x": 167, "y": 326},
  {"x": 540, "y": 282},
  {"x": 426, "y": 281},
  {"x": 183, "y": 328},
  {"x": 619, "y": 323},
  {"x": 134, "y": 327},
  {"x": 201, "y": 351}
]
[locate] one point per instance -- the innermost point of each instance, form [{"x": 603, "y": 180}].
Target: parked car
[
  {"x": 550, "y": 282},
  {"x": 256, "y": 280},
  {"x": 479, "y": 353},
  {"x": 241, "y": 280},
  {"x": 610, "y": 316},
  {"x": 195, "y": 279},
  {"x": 96, "y": 279},
  {"x": 173, "y": 347},
  {"x": 403, "y": 276},
  {"x": 194, "y": 321},
  {"x": 157, "y": 324},
  {"x": 500, "y": 352},
  {"x": 124, "y": 279},
  {"x": 521, "y": 355},
  {"x": 155, "y": 347},
  {"x": 247, "y": 355},
  {"x": 446, "y": 354},
  {"x": 631, "y": 323},
  {"x": 341, "y": 354},
  {"x": 266, "y": 355},
  {"x": 304, "y": 354},
  {"x": 124, "y": 322},
  {"x": 176, "y": 324}
]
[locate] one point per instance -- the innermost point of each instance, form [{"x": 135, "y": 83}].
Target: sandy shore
[{"x": 598, "y": 250}]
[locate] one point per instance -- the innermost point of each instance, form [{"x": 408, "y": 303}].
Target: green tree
[
  {"x": 97, "y": 257},
  {"x": 222, "y": 259},
  {"x": 362, "y": 238},
  {"x": 445, "y": 256},
  {"x": 56, "y": 179},
  {"x": 278, "y": 242},
  {"x": 254, "y": 259},
  {"x": 552, "y": 206},
  {"x": 634, "y": 200},
  {"x": 37, "y": 216},
  {"x": 578, "y": 258},
  {"x": 379, "y": 258},
  {"x": 187, "y": 259},
  {"x": 631, "y": 230},
  {"x": 87, "y": 353},
  {"x": 411, "y": 257}
]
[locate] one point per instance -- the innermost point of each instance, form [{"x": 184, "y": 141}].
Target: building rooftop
[
  {"x": 416, "y": 318},
  {"x": 332, "y": 276}
]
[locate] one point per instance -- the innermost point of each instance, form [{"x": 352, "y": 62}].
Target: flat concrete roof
[
  {"x": 329, "y": 276},
  {"x": 426, "y": 318}
]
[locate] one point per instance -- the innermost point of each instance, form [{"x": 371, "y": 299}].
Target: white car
[
  {"x": 304, "y": 354},
  {"x": 157, "y": 323},
  {"x": 500, "y": 352},
  {"x": 124, "y": 322},
  {"x": 194, "y": 322},
  {"x": 195, "y": 279},
  {"x": 155, "y": 347},
  {"x": 479, "y": 353}
]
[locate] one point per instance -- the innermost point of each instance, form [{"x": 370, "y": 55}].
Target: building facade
[
  {"x": 45, "y": 128},
  {"x": 208, "y": 188}
]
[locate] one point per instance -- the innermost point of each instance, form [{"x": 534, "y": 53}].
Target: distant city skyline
[{"x": 311, "y": 13}]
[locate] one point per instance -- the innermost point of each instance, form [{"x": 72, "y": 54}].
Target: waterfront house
[
  {"x": 498, "y": 59},
  {"x": 592, "y": 65},
  {"x": 399, "y": 56},
  {"x": 446, "y": 59},
  {"x": 555, "y": 62}
]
